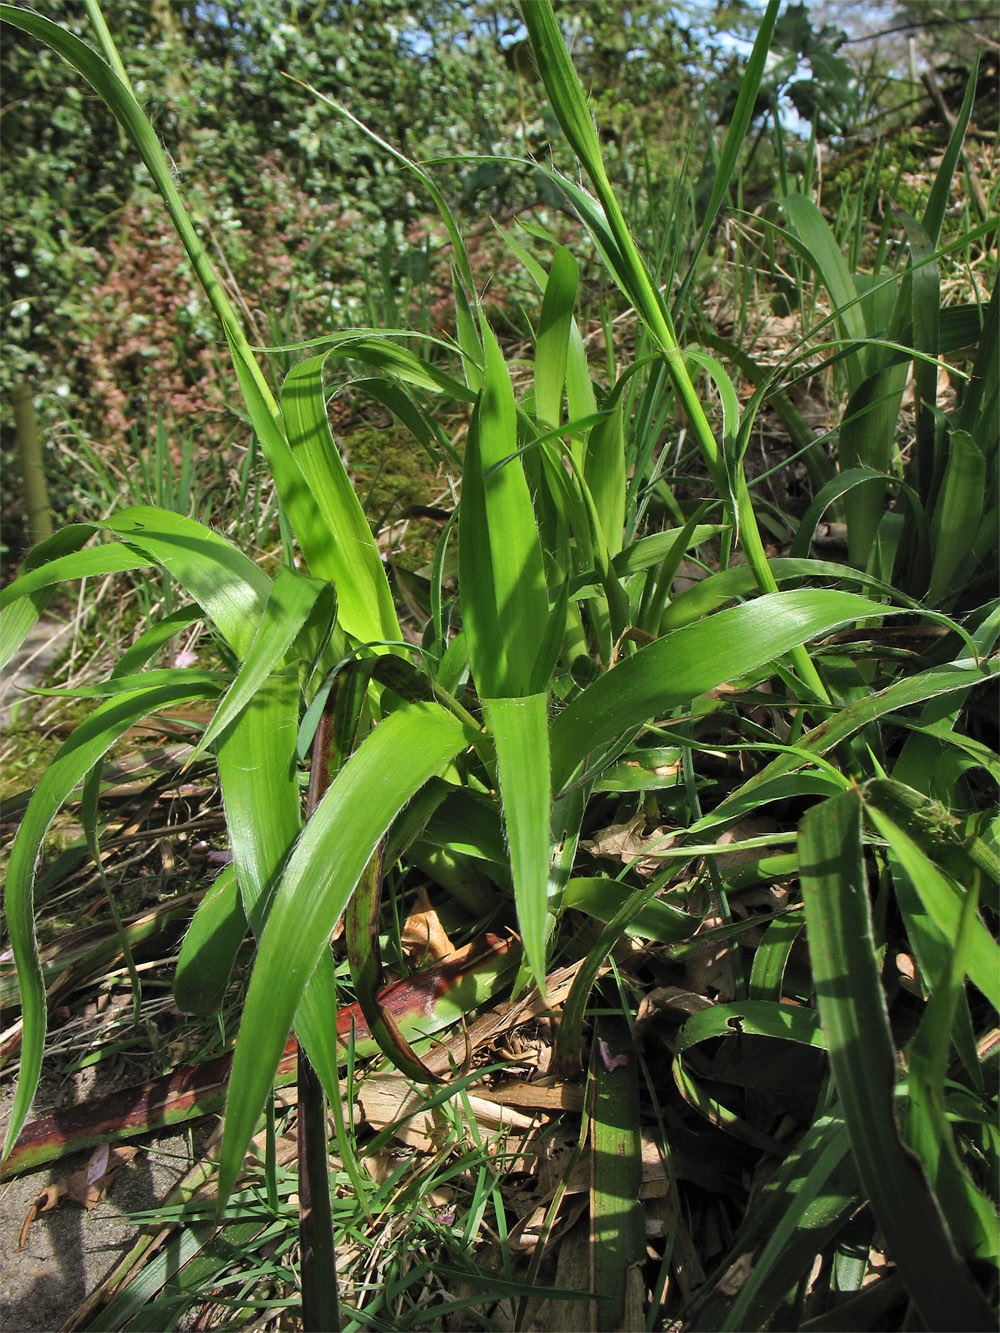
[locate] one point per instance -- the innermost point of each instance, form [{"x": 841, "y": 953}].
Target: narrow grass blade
[
  {"x": 983, "y": 381},
  {"x": 754, "y": 1018},
  {"x": 425, "y": 179},
  {"x": 618, "y": 1229},
  {"x": 468, "y": 334},
  {"x": 383, "y": 350},
  {"x": 297, "y": 500},
  {"x": 925, "y": 303},
  {"x": 520, "y": 732},
  {"x": 825, "y": 255},
  {"x": 92, "y": 739},
  {"x": 771, "y": 957},
  {"x": 112, "y": 558},
  {"x": 934, "y": 904},
  {"x": 16, "y": 622},
  {"x": 739, "y": 123},
  {"x": 759, "y": 1018},
  {"x": 951, "y": 679},
  {"x": 364, "y": 600},
  {"x": 943, "y": 836},
  {"x": 853, "y": 1011},
  {"x": 118, "y": 96},
  {"x": 940, "y": 194},
  {"x": 611, "y": 232},
  {"x": 210, "y": 946},
  {"x": 377, "y": 781},
  {"x": 715, "y": 590},
  {"x": 842, "y": 484},
  {"x": 684, "y": 664},
  {"x": 814, "y": 1191},
  {"x": 628, "y": 910},
  {"x": 418, "y": 420},
  {"x": 155, "y": 635},
  {"x": 604, "y": 898}
]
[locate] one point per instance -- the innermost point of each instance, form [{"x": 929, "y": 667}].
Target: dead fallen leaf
[
  {"x": 627, "y": 841},
  {"x": 668, "y": 1002},
  {"x": 424, "y": 937},
  {"x": 552, "y": 1097},
  {"x": 389, "y": 1098},
  {"x": 86, "y": 1187}
]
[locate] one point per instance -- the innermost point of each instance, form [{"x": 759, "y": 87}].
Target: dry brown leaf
[
  {"x": 573, "y": 1273},
  {"x": 504, "y": 1018},
  {"x": 387, "y": 1098},
  {"x": 561, "y": 1096},
  {"x": 86, "y": 1187},
  {"x": 710, "y": 970},
  {"x": 424, "y": 938},
  {"x": 741, "y": 831},
  {"x": 664, "y": 1001},
  {"x": 627, "y": 841}
]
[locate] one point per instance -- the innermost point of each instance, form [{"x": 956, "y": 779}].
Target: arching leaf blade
[
  {"x": 391, "y": 765},
  {"x": 257, "y": 761},
  {"x": 682, "y": 665},
  {"x": 293, "y": 599},
  {"x": 853, "y": 1011},
  {"x": 365, "y": 607},
  {"x": 92, "y": 739},
  {"x": 225, "y": 583},
  {"x": 520, "y": 733}
]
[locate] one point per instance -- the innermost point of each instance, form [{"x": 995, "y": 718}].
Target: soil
[{"x": 69, "y": 1251}]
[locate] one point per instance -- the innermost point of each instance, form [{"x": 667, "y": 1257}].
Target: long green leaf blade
[
  {"x": 224, "y": 582},
  {"x": 257, "y": 762},
  {"x": 853, "y": 1011},
  {"x": 293, "y": 600},
  {"x": 92, "y": 739},
  {"x": 364, "y": 600},
  {"x": 684, "y": 664},
  {"x": 957, "y": 514},
  {"x": 504, "y": 599},
  {"x": 377, "y": 781},
  {"x": 520, "y": 732},
  {"x": 552, "y": 343}
]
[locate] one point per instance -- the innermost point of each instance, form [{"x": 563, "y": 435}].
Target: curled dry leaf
[
  {"x": 611, "y": 1062},
  {"x": 86, "y": 1187},
  {"x": 424, "y": 938},
  {"x": 909, "y": 979}
]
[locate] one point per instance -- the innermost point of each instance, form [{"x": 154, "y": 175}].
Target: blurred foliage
[
  {"x": 309, "y": 218},
  {"x": 314, "y": 226}
]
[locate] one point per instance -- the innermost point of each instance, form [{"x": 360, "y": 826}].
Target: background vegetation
[{"x": 317, "y": 230}]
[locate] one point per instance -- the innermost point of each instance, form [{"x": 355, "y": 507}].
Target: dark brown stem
[{"x": 320, "y": 1307}]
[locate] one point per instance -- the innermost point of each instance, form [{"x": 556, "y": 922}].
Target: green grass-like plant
[{"x": 551, "y": 674}]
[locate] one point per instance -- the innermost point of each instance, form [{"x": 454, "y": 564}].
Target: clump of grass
[{"x": 584, "y": 749}]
